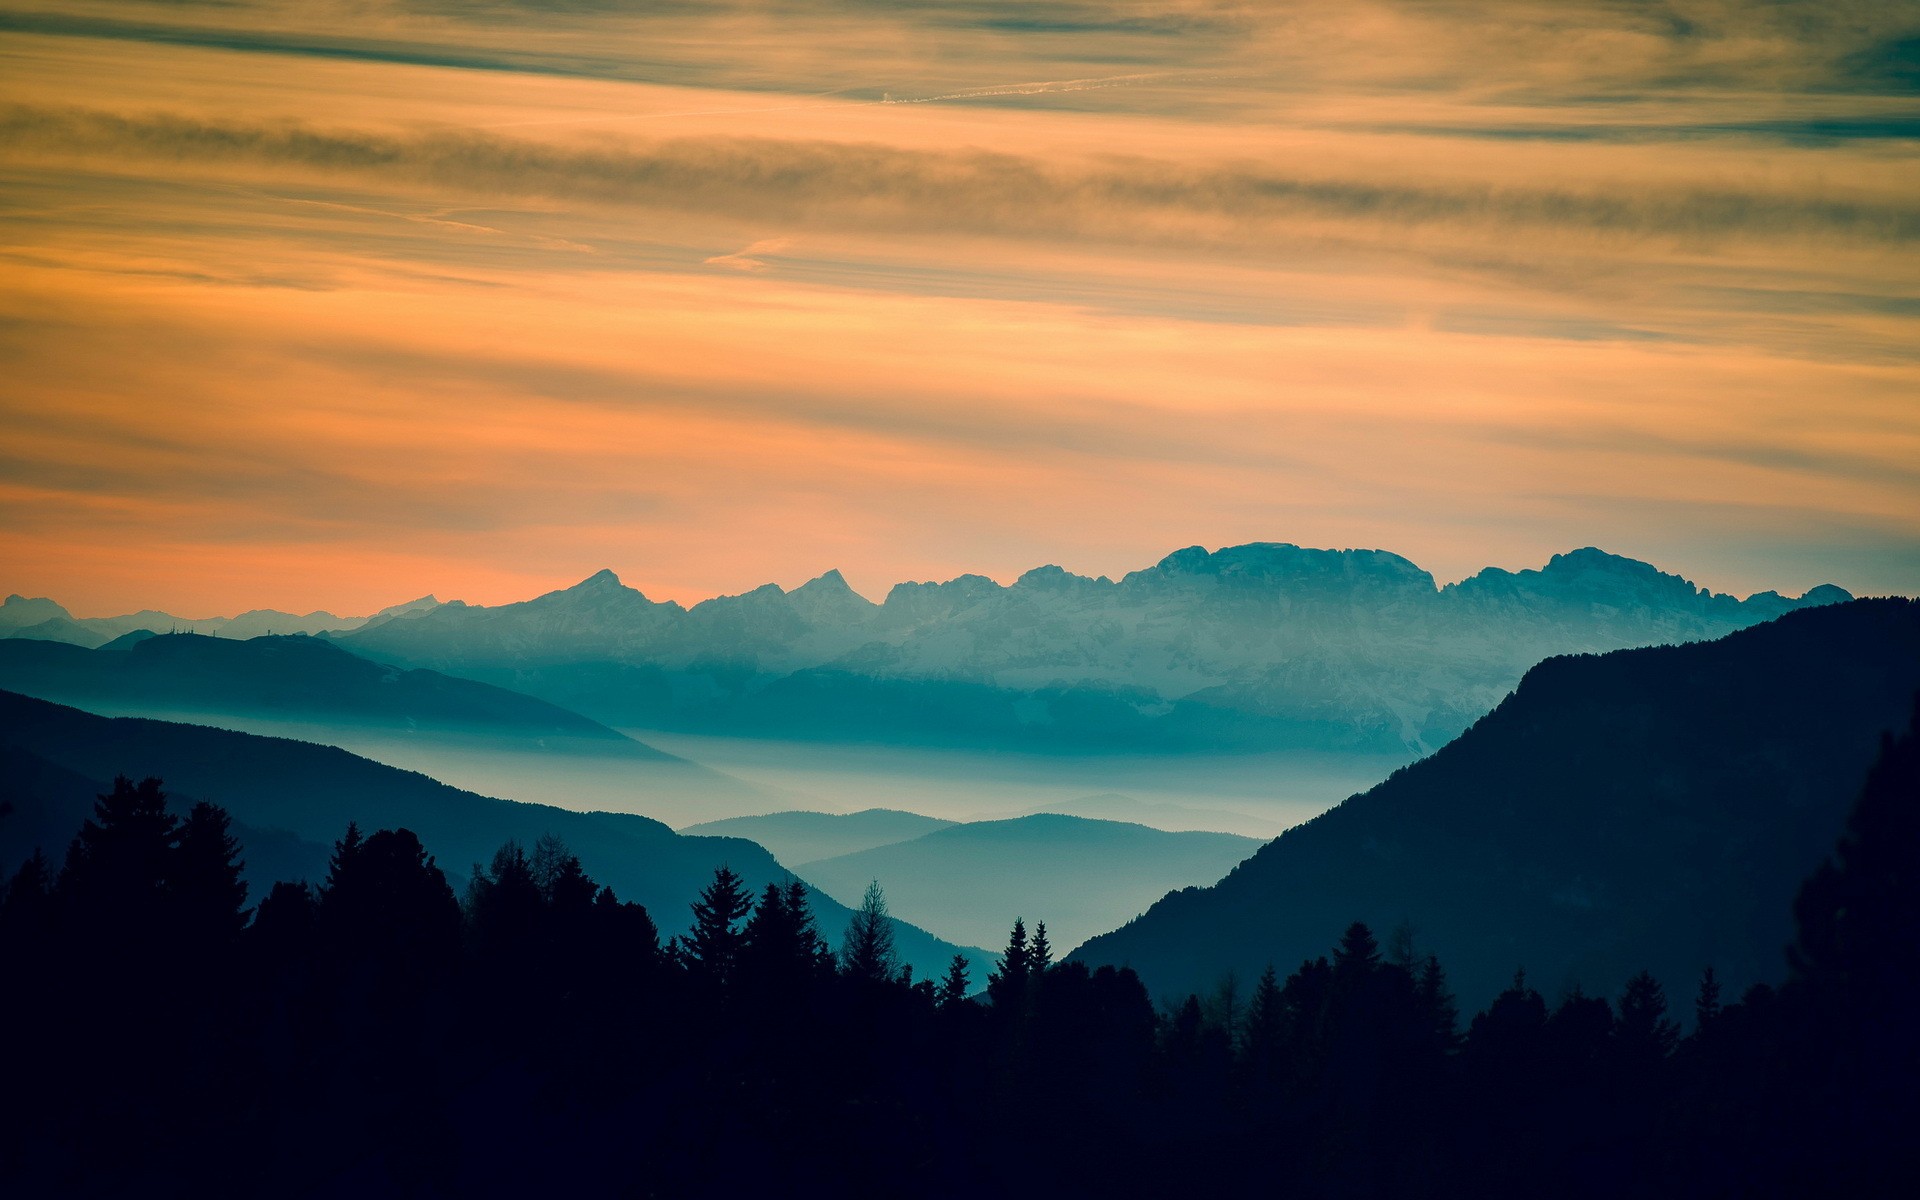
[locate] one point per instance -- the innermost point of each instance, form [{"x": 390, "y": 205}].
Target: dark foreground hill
[
  {"x": 1645, "y": 808},
  {"x": 313, "y": 792}
]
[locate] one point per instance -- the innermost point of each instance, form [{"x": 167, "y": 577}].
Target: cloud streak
[{"x": 477, "y": 297}]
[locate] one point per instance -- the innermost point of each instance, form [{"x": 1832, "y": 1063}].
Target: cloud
[
  {"x": 876, "y": 186},
  {"x": 745, "y": 259}
]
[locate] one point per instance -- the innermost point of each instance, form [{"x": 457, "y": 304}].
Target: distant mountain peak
[
  {"x": 425, "y": 602},
  {"x": 19, "y": 611},
  {"x": 830, "y": 581},
  {"x": 1056, "y": 579},
  {"x": 603, "y": 578}
]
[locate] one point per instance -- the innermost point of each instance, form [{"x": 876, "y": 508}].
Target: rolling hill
[
  {"x": 1078, "y": 875},
  {"x": 796, "y": 837}
]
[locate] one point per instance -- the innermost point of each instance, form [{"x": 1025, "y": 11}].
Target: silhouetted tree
[
  {"x": 505, "y": 909},
  {"x": 1039, "y": 951},
  {"x": 1007, "y": 985},
  {"x": 1357, "y": 955},
  {"x": 387, "y": 901},
  {"x": 1642, "y": 1032},
  {"x": 1706, "y": 1002},
  {"x": 117, "y": 868},
  {"x": 711, "y": 950},
  {"x": 208, "y": 893},
  {"x": 1438, "y": 1002},
  {"x": 866, "y": 952},
  {"x": 1266, "y": 1030},
  {"x": 953, "y": 988}
]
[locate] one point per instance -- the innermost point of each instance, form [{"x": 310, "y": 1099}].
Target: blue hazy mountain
[
  {"x": 313, "y": 791},
  {"x": 38, "y": 618},
  {"x": 797, "y": 837},
  {"x": 290, "y": 678},
  {"x": 1258, "y": 646},
  {"x": 1644, "y": 808},
  {"x": 970, "y": 881}
]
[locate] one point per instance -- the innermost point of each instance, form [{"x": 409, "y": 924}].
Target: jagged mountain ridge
[
  {"x": 1264, "y": 645},
  {"x": 1651, "y": 807}
]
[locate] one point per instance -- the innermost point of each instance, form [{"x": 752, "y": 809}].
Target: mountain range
[
  {"x": 1258, "y": 646},
  {"x": 306, "y": 794},
  {"x": 1652, "y": 808},
  {"x": 38, "y": 618}
]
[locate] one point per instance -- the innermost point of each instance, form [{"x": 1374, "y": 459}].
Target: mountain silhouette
[
  {"x": 314, "y": 791},
  {"x": 42, "y": 619},
  {"x": 1261, "y": 646},
  {"x": 290, "y": 678},
  {"x": 797, "y": 837},
  {"x": 1078, "y": 875},
  {"x": 1643, "y": 808}
]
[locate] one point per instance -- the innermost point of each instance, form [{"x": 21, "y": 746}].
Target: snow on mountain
[{"x": 1261, "y": 644}]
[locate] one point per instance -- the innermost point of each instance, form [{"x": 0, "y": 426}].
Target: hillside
[
  {"x": 797, "y": 837},
  {"x": 1079, "y": 876},
  {"x": 314, "y": 791},
  {"x": 1645, "y": 808}
]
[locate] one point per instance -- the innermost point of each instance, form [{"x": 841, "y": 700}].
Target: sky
[{"x": 334, "y": 303}]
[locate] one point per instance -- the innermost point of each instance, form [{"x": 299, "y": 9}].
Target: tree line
[{"x": 378, "y": 1034}]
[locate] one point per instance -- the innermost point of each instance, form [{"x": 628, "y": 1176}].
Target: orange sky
[{"x": 327, "y": 306}]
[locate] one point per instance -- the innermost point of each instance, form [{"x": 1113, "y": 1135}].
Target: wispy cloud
[{"x": 442, "y": 295}]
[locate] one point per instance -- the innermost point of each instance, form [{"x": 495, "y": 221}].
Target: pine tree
[
  {"x": 1008, "y": 985},
  {"x": 866, "y": 953},
  {"x": 1438, "y": 1002},
  {"x": 806, "y": 933},
  {"x": 1265, "y": 1029},
  {"x": 388, "y": 901},
  {"x": 1706, "y": 1002},
  {"x": 205, "y": 885},
  {"x": 711, "y": 950},
  {"x": 1357, "y": 955},
  {"x": 953, "y": 989},
  {"x": 1642, "y": 1031},
  {"x": 1039, "y": 952},
  {"x": 118, "y": 867}
]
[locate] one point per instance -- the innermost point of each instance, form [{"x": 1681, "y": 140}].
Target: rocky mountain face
[
  {"x": 1651, "y": 808},
  {"x": 1258, "y": 646}
]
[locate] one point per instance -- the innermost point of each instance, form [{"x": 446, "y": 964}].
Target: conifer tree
[
  {"x": 953, "y": 989},
  {"x": 1642, "y": 1031},
  {"x": 1008, "y": 985},
  {"x": 1265, "y": 1028},
  {"x": 1706, "y": 1002},
  {"x": 1039, "y": 952},
  {"x": 1357, "y": 955},
  {"x": 1439, "y": 1004},
  {"x": 118, "y": 867},
  {"x": 209, "y": 896},
  {"x": 711, "y": 950},
  {"x": 866, "y": 953}
]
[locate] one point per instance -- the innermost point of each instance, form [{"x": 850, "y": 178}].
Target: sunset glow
[{"x": 326, "y": 305}]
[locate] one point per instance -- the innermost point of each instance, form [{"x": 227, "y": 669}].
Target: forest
[{"x": 378, "y": 1034}]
